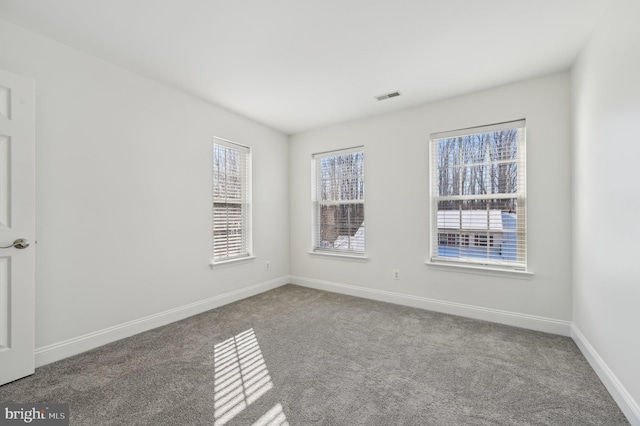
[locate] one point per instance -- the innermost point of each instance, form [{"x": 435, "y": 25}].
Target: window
[
  {"x": 481, "y": 240},
  {"x": 452, "y": 240},
  {"x": 231, "y": 201},
  {"x": 338, "y": 201},
  {"x": 478, "y": 196}
]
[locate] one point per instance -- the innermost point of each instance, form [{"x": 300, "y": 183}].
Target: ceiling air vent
[{"x": 387, "y": 96}]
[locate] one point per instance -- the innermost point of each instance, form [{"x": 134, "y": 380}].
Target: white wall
[
  {"x": 397, "y": 224},
  {"x": 606, "y": 103},
  {"x": 123, "y": 200}
]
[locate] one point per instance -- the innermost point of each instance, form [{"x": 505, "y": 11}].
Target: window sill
[
  {"x": 231, "y": 262},
  {"x": 480, "y": 270},
  {"x": 351, "y": 257}
]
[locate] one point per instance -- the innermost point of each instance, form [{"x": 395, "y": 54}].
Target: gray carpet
[{"x": 305, "y": 357}]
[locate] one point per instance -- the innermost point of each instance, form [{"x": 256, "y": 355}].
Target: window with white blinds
[
  {"x": 338, "y": 201},
  {"x": 478, "y": 196},
  {"x": 231, "y": 201}
]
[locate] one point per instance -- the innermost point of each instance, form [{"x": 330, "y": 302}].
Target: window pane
[
  {"x": 342, "y": 227},
  {"x": 504, "y": 178},
  {"x": 342, "y": 177},
  {"x": 449, "y": 181},
  {"x": 504, "y": 145},
  {"x": 228, "y": 224},
  {"x": 476, "y": 229},
  {"x": 448, "y": 152},
  {"x": 474, "y": 180},
  {"x": 474, "y": 148}
]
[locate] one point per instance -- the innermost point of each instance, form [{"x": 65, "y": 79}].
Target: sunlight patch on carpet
[
  {"x": 241, "y": 377},
  {"x": 273, "y": 417}
]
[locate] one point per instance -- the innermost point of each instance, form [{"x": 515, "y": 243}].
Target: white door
[{"x": 17, "y": 221}]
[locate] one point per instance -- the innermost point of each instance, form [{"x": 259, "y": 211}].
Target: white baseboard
[
  {"x": 531, "y": 322},
  {"x": 57, "y": 351},
  {"x": 625, "y": 401}
]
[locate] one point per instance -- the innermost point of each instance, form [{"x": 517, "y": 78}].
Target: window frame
[
  {"x": 246, "y": 241},
  {"x": 317, "y": 205},
  {"x": 520, "y": 264}
]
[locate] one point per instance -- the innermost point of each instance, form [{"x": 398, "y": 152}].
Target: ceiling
[{"x": 296, "y": 65}]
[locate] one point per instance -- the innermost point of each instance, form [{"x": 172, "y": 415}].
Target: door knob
[{"x": 20, "y": 243}]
